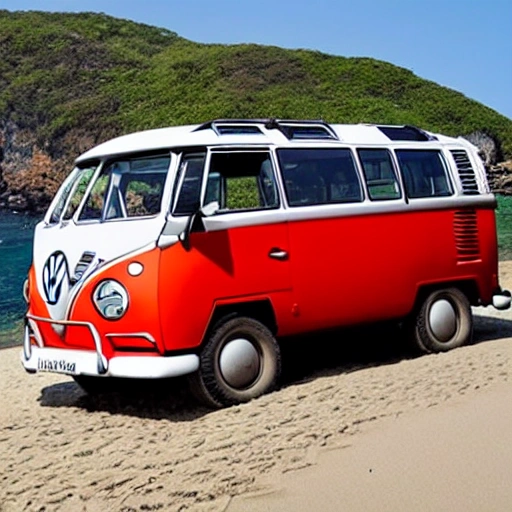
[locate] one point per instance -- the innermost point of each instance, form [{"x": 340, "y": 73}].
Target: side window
[
  {"x": 189, "y": 180},
  {"x": 141, "y": 188},
  {"x": 79, "y": 192},
  {"x": 241, "y": 181},
  {"x": 424, "y": 173},
  {"x": 127, "y": 188},
  {"x": 77, "y": 182},
  {"x": 378, "y": 172},
  {"x": 94, "y": 205},
  {"x": 319, "y": 176}
]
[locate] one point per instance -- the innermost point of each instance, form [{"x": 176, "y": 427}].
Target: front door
[{"x": 239, "y": 254}]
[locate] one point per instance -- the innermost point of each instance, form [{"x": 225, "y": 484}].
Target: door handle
[{"x": 277, "y": 254}]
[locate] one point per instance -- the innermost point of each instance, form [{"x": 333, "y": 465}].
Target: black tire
[
  {"x": 214, "y": 383},
  {"x": 445, "y": 328}
]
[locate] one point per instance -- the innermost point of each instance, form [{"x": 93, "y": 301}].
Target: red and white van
[{"x": 196, "y": 249}]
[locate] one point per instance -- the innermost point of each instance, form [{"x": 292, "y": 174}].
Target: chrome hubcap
[
  {"x": 443, "y": 320},
  {"x": 239, "y": 363}
]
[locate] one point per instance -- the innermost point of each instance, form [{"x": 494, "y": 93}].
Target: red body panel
[
  {"x": 228, "y": 265},
  {"x": 143, "y": 309},
  {"x": 368, "y": 268},
  {"x": 344, "y": 271}
]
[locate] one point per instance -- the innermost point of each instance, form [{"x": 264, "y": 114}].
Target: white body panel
[
  {"x": 84, "y": 362},
  {"x": 108, "y": 240}
]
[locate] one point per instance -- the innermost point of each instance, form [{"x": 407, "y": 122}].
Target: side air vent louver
[
  {"x": 465, "y": 228},
  {"x": 466, "y": 172},
  {"x": 82, "y": 265}
]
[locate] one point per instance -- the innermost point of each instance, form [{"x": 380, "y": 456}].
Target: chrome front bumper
[{"x": 93, "y": 362}]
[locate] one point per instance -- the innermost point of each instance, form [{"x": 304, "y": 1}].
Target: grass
[
  {"x": 504, "y": 227},
  {"x": 66, "y": 76}
]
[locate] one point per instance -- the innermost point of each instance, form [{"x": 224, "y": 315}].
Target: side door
[
  {"x": 324, "y": 194},
  {"x": 238, "y": 254},
  {"x": 350, "y": 239}
]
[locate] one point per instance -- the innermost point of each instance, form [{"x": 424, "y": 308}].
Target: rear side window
[
  {"x": 379, "y": 174},
  {"x": 424, "y": 173},
  {"x": 241, "y": 181},
  {"x": 319, "y": 176}
]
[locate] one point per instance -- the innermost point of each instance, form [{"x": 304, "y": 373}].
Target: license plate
[{"x": 56, "y": 365}]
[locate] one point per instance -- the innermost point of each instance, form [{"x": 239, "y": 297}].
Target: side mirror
[
  {"x": 195, "y": 223},
  {"x": 210, "y": 209}
]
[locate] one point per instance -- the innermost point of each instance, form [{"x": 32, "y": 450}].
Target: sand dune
[{"x": 62, "y": 450}]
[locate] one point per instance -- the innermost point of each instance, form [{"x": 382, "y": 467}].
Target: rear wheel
[
  {"x": 443, "y": 321},
  {"x": 240, "y": 361}
]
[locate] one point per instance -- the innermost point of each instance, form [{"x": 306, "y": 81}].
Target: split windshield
[
  {"x": 72, "y": 192},
  {"x": 125, "y": 188}
]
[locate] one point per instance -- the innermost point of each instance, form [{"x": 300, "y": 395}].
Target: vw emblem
[{"x": 55, "y": 273}]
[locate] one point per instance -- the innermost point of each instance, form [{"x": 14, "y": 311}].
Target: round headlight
[{"x": 111, "y": 299}]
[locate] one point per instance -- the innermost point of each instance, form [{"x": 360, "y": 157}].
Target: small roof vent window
[
  {"x": 307, "y": 132},
  {"x": 232, "y": 126},
  {"x": 405, "y": 133},
  {"x": 302, "y": 130},
  {"x": 227, "y": 129}
]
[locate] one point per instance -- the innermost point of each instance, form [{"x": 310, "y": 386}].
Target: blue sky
[{"x": 462, "y": 44}]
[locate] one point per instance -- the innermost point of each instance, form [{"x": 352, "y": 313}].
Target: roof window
[
  {"x": 233, "y": 129},
  {"x": 405, "y": 133}
]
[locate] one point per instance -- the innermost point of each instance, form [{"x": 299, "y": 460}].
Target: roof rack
[{"x": 292, "y": 129}]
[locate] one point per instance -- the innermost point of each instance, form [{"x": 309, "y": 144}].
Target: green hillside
[{"x": 68, "y": 81}]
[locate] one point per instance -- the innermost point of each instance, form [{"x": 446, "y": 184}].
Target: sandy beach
[
  {"x": 452, "y": 457},
  {"x": 359, "y": 405}
]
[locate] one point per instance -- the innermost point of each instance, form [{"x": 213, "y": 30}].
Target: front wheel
[
  {"x": 443, "y": 321},
  {"x": 240, "y": 361}
]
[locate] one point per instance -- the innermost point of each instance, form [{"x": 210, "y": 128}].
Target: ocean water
[{"x": 16, "y": 236}]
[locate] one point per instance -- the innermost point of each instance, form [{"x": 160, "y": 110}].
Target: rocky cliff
[
  {"x": 29, "y": 176},
  {"x": 500, "y": 178}
]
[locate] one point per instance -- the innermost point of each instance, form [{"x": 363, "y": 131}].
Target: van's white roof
[{"x": 206, "y": 135}]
